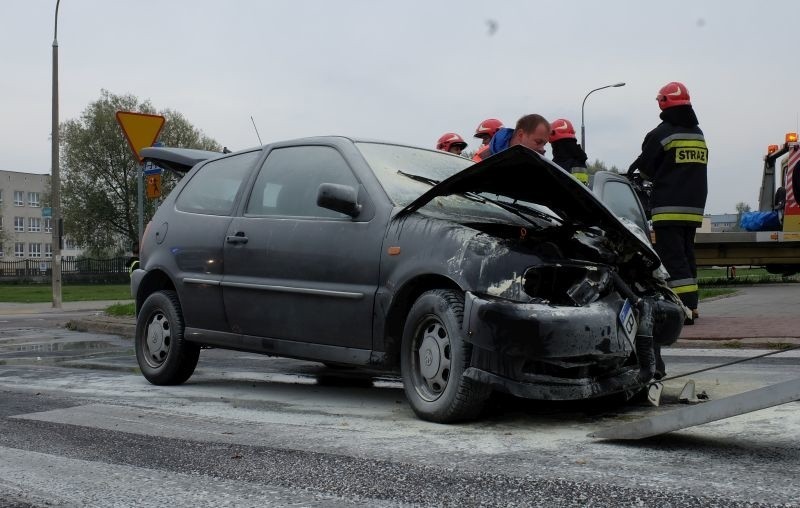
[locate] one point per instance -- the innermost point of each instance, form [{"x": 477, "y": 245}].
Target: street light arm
[
  {"x": 583, "y": 126},
  {"x": 587, "y": 96},
  {"x": 55, "y": 25}
]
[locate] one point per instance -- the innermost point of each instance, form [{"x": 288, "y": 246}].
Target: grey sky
[{"x": 410, "y": 71}]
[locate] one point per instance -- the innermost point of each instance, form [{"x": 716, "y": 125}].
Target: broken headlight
[{"x": 565, "y": 284}]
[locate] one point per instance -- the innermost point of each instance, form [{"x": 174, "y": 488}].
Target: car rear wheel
[
  {"x": 434, "y": 357},
  {"x": 164, "y": 357}
]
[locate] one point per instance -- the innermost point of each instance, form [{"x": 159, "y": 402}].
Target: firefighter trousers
[{"x": 675, "y": 247}]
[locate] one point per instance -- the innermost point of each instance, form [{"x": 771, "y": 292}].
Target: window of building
[
  {"x": 19, "y": 224},
  {"x": 35, "y": 250},
  {"x": 19, "y": 249},
  {"x": 34, "y": 224},
  {"x": 48, "y": 250},
  {"x": 2, "y": 251},
  {"x": 48, "y": 225},
  {"x": 70, "y": 244},
  {"x": 19, "y": 198},
  {"x": 1, "y": 223},
  {"x": 33, "y": 199},
  {"x": 1, "y": 196}
]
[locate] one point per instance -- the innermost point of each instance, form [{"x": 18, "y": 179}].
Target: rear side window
[
  {"x": 290, "y": 178},
  {"x": 212, "y": 190}
]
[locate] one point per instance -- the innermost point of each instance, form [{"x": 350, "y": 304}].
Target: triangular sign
[{"x": 140, "y": 129}]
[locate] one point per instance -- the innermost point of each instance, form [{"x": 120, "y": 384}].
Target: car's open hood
[
  {"x": 180, "y": 160},
  {"x": 522, "y": 174}
]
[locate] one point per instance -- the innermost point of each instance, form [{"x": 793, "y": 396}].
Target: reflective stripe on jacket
[{"x": 675, "y": 159}]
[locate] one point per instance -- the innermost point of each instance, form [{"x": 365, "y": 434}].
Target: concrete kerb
[
  {"x": 124, "y": 327},
  {"x": 710, "y": 331},
  {"x": 17, "y": 309}
]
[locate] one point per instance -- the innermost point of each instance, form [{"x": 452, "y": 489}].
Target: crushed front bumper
[{"x": 550, "y": 352}]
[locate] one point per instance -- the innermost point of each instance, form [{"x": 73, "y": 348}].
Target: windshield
[
  {"x": 406, "y": 173},
  {"x": 390, "y": 161}
]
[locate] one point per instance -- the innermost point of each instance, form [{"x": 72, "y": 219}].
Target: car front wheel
[
  {"x": 434, "y": 357},
  {"x": 164, "y": 357}
]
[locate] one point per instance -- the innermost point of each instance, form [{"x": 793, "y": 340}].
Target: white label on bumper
[{"x": 627, "y": 319}]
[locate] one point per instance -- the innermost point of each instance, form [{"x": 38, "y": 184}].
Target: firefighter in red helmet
[
  {"x": 485, "y": 130},
  {"x": 567, "y": 153},
  {"x": 675, "y": 159},
  {"x": 451, "y": 142}
]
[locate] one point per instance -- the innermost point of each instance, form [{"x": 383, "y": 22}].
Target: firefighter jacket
[
  {"x": 568, "y": 154},
  {"x": 675, "y": 157}
]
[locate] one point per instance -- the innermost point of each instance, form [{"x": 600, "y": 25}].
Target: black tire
[
  {"x": 164, "y": 357},
  {"x": 433, "y": 359}
]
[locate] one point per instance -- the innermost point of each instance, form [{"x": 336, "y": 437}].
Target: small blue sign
[
  {"x": 151, "y": 169},
  {"x": 47, "y": 211}
]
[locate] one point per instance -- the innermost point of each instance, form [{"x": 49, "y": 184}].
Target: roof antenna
[{"x": 256, "y": 128}]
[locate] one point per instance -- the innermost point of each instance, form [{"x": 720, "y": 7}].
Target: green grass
[
  {"x": 744, "y": 275},
  {"x": 121, "y": 309},
  {"x": 40, "y": 293},
  {"x": 704, "y": 293}
]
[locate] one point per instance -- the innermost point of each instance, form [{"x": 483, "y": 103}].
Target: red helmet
[
  {"x": 488, "y": 127},
  {"x": 449, "y": 139},
  {"x": 673, "y": 94},
  {"x": 561, "y": 129}
]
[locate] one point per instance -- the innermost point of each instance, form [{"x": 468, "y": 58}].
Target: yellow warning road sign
[
  {"x": 140, "y": 129},
  {"x": 153, "y": 186}
]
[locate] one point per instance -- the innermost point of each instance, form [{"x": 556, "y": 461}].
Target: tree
[
  {"x": 741, "y": 207},
  {"x": 100, "y": 175},
  {"x": 599, "y": 165}
]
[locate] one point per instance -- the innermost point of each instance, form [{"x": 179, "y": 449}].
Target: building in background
[
  {"x": 724, "y": 222},
  {"x": 26, "y": 229}
]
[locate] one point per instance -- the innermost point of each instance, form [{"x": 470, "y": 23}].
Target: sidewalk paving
[{"x": 760, "y": 316}]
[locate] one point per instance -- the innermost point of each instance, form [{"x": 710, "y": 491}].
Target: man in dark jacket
[
  {"x": 675, "y": 157},
  {"x": 567, "y": 153}
]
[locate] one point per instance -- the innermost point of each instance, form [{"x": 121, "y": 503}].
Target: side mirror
[{"x": 339, "y": 198}]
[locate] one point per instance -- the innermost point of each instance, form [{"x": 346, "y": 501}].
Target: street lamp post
[
  {"x": 583, "y": 127},
  {"x": 55, "y": 181}
]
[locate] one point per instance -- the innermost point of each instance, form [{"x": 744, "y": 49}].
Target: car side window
[
  {"x": 621, "y": 199},
  {"x": 289, "y": 180},
  {"x": 213, "y": 188}
]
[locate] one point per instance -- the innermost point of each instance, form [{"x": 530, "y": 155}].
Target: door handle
[{"x": 237, "y": 238}]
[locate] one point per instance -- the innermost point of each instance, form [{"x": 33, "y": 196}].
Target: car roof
[{"x": 182, "y": 160}]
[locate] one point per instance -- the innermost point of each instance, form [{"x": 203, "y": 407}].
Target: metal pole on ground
[{"x": 55, "y": 180}]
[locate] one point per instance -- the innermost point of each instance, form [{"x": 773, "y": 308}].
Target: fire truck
[{"x": 779, "y": 248}]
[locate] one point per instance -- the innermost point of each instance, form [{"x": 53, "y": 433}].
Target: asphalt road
[{"x": 79, "y": 427}]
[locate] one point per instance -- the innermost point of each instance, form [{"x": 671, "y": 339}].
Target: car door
[
  {"x": 296, "y": 271},
  {"x": 617, "y": 193},
  {"x": 191, "y": 235}
]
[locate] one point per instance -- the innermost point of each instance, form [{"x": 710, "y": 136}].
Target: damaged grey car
[{"x": 465, "y": 278}]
